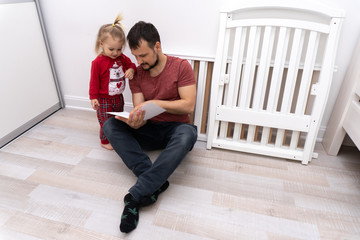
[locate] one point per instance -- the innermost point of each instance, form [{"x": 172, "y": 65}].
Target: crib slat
[
  {"x": 238, "y": 77},
  {"x": 200, "y": 93},
  {"x": 278, "y": 71},
  {"x": 235, "y": 73},
  {"x": 206, "y": 99},
  {"x": 248, "y": 80},
  {"x": 246, "y": 84},
  {"x": 264, "y": 67},
  {"x": 236, "y": 70},
  {"x": 293, "y": 70},
  {"x": 280, "y": 57},
  {"x": 309, "y": 63},
  {"x": 291, "y": 78},
  {"x": 263, "y": 72}
]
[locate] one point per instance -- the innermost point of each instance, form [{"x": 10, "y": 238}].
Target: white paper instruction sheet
[{"x": 151, "y": 110}]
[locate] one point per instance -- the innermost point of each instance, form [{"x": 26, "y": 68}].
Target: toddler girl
[{"x": 108, "y": 73}]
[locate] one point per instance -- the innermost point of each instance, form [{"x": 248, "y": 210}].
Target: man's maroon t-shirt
[{"x": 177, "y": 73}]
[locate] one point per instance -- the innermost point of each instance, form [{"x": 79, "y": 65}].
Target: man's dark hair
[{"x": 143, "y": 31}]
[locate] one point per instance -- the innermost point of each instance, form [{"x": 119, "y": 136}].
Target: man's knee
[
  {"x": 188, "y": 134},
  {"x": 189, "y": 130}
]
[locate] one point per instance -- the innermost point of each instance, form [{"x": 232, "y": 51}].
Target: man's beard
[{"x": 151, "y": 66}]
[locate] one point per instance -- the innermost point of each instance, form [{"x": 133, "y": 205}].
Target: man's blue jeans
[{"x": 177, "y": 139}]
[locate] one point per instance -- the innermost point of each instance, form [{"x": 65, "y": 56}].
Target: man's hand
[{"x": 136, "y": 118}]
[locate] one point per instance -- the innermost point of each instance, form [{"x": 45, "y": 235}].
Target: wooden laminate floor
[{"x": 56, "y": 182}]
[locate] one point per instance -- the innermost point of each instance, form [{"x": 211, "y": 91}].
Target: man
[{"x": 169, "y": 83}]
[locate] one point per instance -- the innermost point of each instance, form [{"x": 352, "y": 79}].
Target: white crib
[{"x": 272, "y": 75}]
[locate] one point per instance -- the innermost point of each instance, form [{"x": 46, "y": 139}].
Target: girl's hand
[
  {"x": 129, "y": 73},
  {"x": 95, "y": 104}
]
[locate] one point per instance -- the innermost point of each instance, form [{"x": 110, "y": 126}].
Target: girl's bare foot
[{"x": 107, "y": 146}]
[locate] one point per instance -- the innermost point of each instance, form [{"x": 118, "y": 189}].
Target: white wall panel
[{"x": 27, "y": 88}]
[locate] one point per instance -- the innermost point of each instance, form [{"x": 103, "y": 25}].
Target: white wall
[{"x": 186, "y": 27}]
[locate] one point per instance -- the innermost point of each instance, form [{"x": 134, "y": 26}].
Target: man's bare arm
[
  {"x": 138, "y": 98},
  {"x": 186, "y": 103}
]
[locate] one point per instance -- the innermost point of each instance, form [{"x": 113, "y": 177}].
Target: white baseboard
[
  {"x": 346, "y": 142},
  {"x": 84, "y": 103},
  {"x": 321, "y": 134},
  {"x": 77, "y": 102}
]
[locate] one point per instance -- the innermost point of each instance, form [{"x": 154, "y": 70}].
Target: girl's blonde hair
[{"x": 115, "y": 30}]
